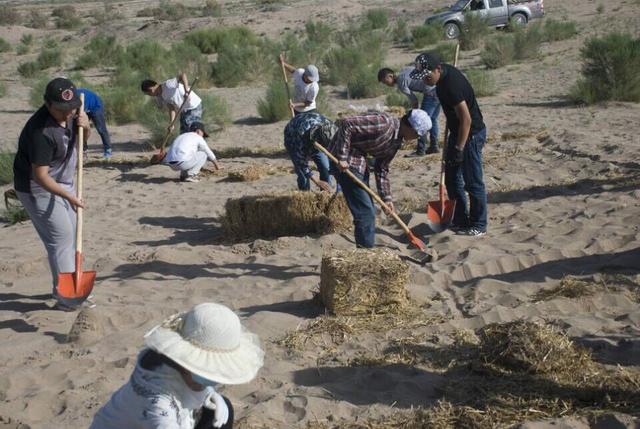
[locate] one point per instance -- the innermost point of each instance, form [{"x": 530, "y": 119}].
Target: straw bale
[
  {"x": 363, "y": 281},
  {"x": 249, "y": 174},
  {"x": 530, "y": 347},
  {"x": 285, "y": 214}
]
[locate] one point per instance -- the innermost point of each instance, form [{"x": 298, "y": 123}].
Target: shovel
[
  {"x": 79, "y": 284},
  {"x": 428, "y": 255},
  {"x": 440, "y": 213},
  {"x": 286, "y": 85},
  {"x": 157, "y": 158}
]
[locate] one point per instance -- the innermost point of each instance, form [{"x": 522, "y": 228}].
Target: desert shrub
[
  {"x": 482, "y": 82},
  {"x": 15, "y": 215},
  {"x": 354, "y": 53},
  {"x": 446, "y": 51},
  {"x": 526, "y": 42},
  {"x": 102, "y": 51},
  {"x": 27, "y": 39},
  {"x": 37, "y": 20},
  {"x": 240, "y": 63},
  {"x": 216, "y": 112},
  {"x": 108, "y": 14},
  {"x": 6, "y": 167},
  {"x": 274, "y": 106},
  {"x": 395, "y": 98},
  {"x": 558, "y": 30},
  {"x": 9, "y": 16},
  {"x": 28, "y": 69},
  {"x": 212, "y": 8},
  {"x": 375, "y": 19},
  {"x": 610, "y": 67},
  {"x": 36, "y": 93},
  {"x": 364, "y": 83},
  {"x": 473, "y": 31},
  {"x": 167, "y": 11},
  {"x": 4, "y": 45},
  {"x": 210, "y": 40},
  {"x": 498, "y": 52},
  {"x": 400, "y": 32},
  {"x": 50, "y": 56},
  {"x": 66, "y": 17},
  {"x": 424, "y": 35},
  {"x": 3, "y": 89},
  {"x": 317, "y": 30},
  {"x": 600, "y": 9}
]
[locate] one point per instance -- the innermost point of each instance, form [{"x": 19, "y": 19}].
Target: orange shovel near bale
[
  {"x": 79, "y": 284},
  {"x": 440, "y": 213},
  {"x": 157, "y": 157}
]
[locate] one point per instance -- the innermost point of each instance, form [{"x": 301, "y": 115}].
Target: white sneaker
[{"x": 192, "y": 179}]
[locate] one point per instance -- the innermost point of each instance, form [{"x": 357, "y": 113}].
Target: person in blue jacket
[{"x": 95, "y": 111}]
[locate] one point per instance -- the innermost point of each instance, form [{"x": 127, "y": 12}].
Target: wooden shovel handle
[
  {"x": 80, "y": 149},
  {"x": 286, "y": 85},
  {"x": 184, "y": 102}
]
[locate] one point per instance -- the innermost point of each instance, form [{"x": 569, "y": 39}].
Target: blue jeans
[
  {"x": 468, "y": 177},
  {"x": 188, "y": 117},
  {"x": 362, "y": 209},
  {"x": 99, "y": 121},
  {"x": 431, "y": 105},
  {"x": 322, "y": 162}
]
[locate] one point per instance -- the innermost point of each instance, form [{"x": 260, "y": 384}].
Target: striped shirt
[{"x": 370, "y": 134}]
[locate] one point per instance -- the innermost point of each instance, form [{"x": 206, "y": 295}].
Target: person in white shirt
[
  {"x": 177, "y": 375},
  {"x": 171, "y": 94},
  {"x": 305, "y": 87},
  {"x": 189, "y": 152},
  {"x": 430, "y": 103}
]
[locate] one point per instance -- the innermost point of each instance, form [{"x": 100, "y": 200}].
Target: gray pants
[
  {"x": 55, "y": 221},
  {"x": 190, "y": 167}
]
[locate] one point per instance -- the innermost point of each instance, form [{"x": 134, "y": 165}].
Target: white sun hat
[
  {"x": 209, "y": 341},
  {"x": 420, "y": 121}
]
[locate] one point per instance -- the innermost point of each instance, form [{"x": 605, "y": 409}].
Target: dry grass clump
[
  {"x": 532, "y": 348},
  {"x": 256, "y": 172},
  {"x": 521, "y": 134},
  {"x": 292, "y": 213},
  {"x": 363, "y": 281},
  {"x": 569, "y": 287}
]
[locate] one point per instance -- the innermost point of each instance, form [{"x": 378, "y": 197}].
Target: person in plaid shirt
[
  {"x": 379, "y": 136},
  {"x": 300, "y": 148}
]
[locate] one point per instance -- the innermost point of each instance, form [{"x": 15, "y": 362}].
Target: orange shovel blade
[
  {"x": 157, "y": 158},
  {"x": 70, "y": 288},
  {"x": 438, "y": 216}
]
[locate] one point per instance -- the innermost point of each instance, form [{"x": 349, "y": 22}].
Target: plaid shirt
[
  {"x": 297, "y": 141},
  {"x": 374, "y": 134}
]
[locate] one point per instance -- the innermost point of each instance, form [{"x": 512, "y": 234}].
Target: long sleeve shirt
[
  {"x": 297, "y": 141},
  {"x": 185, "y": 146},
  {"x": 409, "y": 86},
  {"x": 371, "y": 134}
]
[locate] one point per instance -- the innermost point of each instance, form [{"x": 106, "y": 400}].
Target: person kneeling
[
  {"x": 189, "y": 152},
  {"x": 174, "y": 382}
]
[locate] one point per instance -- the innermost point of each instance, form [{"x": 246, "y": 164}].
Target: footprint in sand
[{"x": 294, "y": 408}]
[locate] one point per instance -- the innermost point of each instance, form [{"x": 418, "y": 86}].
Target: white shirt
[
  {"x": 304, "y": 92},
  {"x": 173, "y": 94},
  {"x": 185, "y": 146}
]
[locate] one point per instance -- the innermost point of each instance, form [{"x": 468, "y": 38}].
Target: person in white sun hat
[{"x": 173, "y": 385}]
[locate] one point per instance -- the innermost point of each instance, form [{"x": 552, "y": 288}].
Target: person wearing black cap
[
  {"x": 189, "y": 153},
  {"x": 467, "y": 136},
  {"x": 44, "y": 175}
]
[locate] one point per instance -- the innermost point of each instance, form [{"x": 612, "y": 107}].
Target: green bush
[
  {"x": 364, "y": 83},
  {"x": 15, "y": 215},
  {"x": 26, "y": 39},
  {"x": 9, "y": 16},
  {"x": 36, "y": 93},
  {"x": 319, "y": 31},
  {"x": 242, "y": 63},
  {"x": 395, "y": 98},
  {"x": 66, "y": 17},
  {"x": 210, "y": 40},
  {"x": 49, "y": 57},
  {"x": 123, "y": 104},
  {"x": 212, "y": 8},
  {"x": 6, "y": 167},
  {"x": 610, "y": 67},
  {"x": 400, "y": 32},
  {"x": 558, "y": 30},
  {"x": 4, "y": 45},
  {"x": 354, "y": 54},
  {"x": 375, "y": 19},
  {"x": 37, "y": 20},
  {"x": 29, "y": 69},
  {"x": 216, "y": 112},
  {"x": 446, "y": 51},
  {"x": 101, "y": 51},
  {"x": 274, "y": 106},
  {"x": 498, "y": 52},
  {"x": 424, "y": 35},
  {"x": 3, "y": 89},
  {"x": 167, "y": 11},
  {"x": 600, "y": 9},
  {"x": 526, "y": 42},
  {"x": 22, "y": 49},
  {"x": 482, "y": 82},
  {"x": 473, "y": 32}
]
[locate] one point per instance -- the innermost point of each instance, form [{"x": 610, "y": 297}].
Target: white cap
[{"x": 420, "y": 121}]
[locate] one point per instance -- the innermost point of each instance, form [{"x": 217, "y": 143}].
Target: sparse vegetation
[
  {"x": 101, "y": 50},
  {"x": 9, "y": 16},
  {"x": 401, "y": 32},
  {"x": 66, "y": 17},
  {"x": 15, "y": 215},
  {"x": 364, "y": 83},
  {"x": 6, "y": 167},
  {"x": 274, "y": 106},
  {"x": 553, "y": 30},
  {"x": 473, "y": 32},
  {"x": 395, "y": 98},
  {"x": 3, "y": 89},
  {"x": 482, "y": 82},
  {"x": 609, "y": 69},
  {"x": 4, "y": 45},
  {"x": 375, "y": 19},
  {"x": 37, "y": 20},
  {"x": 50, "y": 56},
  {"x": 600, "y": 9},
  {"x": 212, "y": 8},
  {"x": 424, "y": 35},
  {"x": 498, "y": 52},
  {"x": 167, "y": 11},
  {"x": 211, "y": 40}
]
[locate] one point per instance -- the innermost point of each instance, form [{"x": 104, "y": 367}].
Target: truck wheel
[
  {"x": 519, "y": 19},
  {"x": 451, "y": 30}
]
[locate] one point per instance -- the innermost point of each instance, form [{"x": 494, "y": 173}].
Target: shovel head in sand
[
  {"x": 77, "y": 285},
  {"x": 440, "y": 214}
]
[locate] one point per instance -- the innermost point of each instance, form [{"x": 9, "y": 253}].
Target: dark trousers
[
  {"x": 322, "y": 163},
  {"x": 208, "y": 416},
  {"x": 468, "y": 177},
  {"x": 100, "y": 123},
  {"x": 431, "y": 105},
  {"x": 362, "y": 208}
]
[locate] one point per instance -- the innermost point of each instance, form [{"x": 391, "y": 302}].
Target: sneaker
[
  {"x": 192, "y": 179},
  {"x": 107, "y": 154},
  {"x": 472, "y": 232},
  {"x": 457, "y": 228},
  {"x": 414, "y": 154},
  {"x": 88, "y": 303},
  {"x": 433, "y": 149}
]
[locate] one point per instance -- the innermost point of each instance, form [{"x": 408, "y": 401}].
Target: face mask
[{"x": 202, "y": 381}]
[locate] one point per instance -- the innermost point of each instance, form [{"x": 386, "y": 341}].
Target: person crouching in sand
[
  {"x": 176, "y": 376},
  {"x": 189, "y": 152}
]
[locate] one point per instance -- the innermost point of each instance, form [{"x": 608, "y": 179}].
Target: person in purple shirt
[{"x": 95, "y": 111}]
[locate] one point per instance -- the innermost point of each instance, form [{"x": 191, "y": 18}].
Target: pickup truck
[{"x": 498, "y": 13}]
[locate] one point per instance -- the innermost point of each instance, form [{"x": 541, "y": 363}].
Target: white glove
[{"x": 215, "y": 402}]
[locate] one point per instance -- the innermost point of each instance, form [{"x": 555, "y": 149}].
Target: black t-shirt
[
  {"x": 44, "y": 142},
  {"x": 453, "y": 88}
]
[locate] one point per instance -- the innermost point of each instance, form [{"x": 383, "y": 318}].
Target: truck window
[
  {"x": 495, "y": 3},
  {"x": 477, "y": 5}
]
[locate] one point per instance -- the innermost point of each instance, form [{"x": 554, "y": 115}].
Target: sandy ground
[{"x": 564, "y": 200}]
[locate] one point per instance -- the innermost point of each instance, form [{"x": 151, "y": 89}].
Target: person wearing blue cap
[{"x": 305, "y": 87}]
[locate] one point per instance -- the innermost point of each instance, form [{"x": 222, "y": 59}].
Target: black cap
[
  {"x": 425, "y": 64},
  {"x": 62, "y": 94},
  {"x": 198, "y": 126}
]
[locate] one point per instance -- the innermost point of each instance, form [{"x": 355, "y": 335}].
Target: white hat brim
[{"x": 238, "y": 366}]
